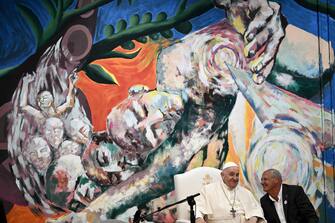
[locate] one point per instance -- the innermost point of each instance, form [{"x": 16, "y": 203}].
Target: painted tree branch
[
  {"x": 69, "y": 15},
  {"x": 99, "y": 49}
]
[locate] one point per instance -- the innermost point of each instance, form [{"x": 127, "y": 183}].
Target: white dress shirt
[{"x": 279, "y": 205}]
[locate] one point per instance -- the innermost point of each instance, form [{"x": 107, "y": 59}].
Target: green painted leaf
[
  {"x": 154, "y": 36},
  {"x": 32, "y": 20},
  {"x": 184, "y": 27},
  {"x": 134, "y": 20},
  {"x": 142, "y": 39},
  {"x": 181, "y": 7},
  {"x": 161, "y": 16},
  {"x": 147, "y": 17},
  {"x": 129, "y": 45},
  {"x": 167, "y": 34},
  {"x": 117, "y": 54},
  {"x": 99, "y": 74},
  {"x": 108, "y": 30},
  {"x": 121, "y": 25}
]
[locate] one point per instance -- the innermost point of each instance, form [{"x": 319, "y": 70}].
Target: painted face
[
  {"x": 54, "y": 131},
  {"x": 230, "y": 176},
  {"x": 61, "y": 179},
  {"x": 144, "y": 120},
  {"x": 69, "y": 147},
  {"x": 79, "y": 131},
  {"x": 39, "y": 154},
  {"x": 44, "y": 99},
  {"x": 269, "y": 182}
]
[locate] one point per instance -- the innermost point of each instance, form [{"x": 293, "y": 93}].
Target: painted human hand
[
  {"x": 262, "y": 38},
  {"x": 72, "y": 78},
  {"x": 27, "y": 79},
  {"x": 262, "y": 27}
]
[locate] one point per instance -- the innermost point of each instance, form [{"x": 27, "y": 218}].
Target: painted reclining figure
[{"x": 162, "y": 130}]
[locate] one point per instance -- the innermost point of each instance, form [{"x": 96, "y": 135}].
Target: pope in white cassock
[{"x": 227, "y": 202}]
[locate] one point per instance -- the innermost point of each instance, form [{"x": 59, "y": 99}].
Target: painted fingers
[{"x": 262, "y": 38}]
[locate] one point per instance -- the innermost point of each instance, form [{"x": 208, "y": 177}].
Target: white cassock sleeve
[
  {"x": 250, "y": 205},
  {"x": 203, "y": 206}
]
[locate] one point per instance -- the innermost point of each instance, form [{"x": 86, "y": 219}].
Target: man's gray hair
[{"x": 274, "y": 173}]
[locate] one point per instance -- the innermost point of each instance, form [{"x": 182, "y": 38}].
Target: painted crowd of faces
[
  {"x": 75, "y": 170},
  {"x": 55, "y": 150}
]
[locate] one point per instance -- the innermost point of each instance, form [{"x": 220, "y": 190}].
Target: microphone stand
[
  {"x": 191, "y": 203},
  {"x": 190, "y": 200}
]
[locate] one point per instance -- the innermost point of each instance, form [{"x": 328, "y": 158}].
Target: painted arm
[
  {"x": 69, "y": 102},
  {"x": 24, "y": 106}
]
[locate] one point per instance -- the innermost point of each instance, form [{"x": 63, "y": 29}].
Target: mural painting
[{"x": 105, "y": 101}]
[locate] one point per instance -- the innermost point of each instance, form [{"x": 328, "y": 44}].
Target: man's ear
[{"x": 278, "y": 181}]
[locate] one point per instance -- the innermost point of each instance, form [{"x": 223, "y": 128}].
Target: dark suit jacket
[{"x": 297, "y": 207}]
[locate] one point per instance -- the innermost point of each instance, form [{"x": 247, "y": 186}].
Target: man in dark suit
[{"x": 284, "y": 203}]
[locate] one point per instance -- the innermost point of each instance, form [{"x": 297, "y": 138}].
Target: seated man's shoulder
[
  {"x": 292, "y": 187},
  {"x": 264, "y": 197},
  {"x": 243, "y": 191}
]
